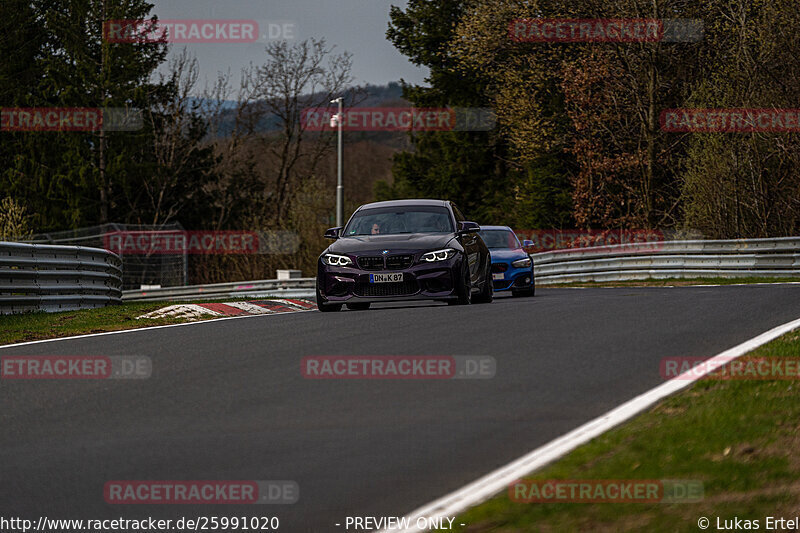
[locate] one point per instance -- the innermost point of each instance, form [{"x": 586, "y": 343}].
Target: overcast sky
[{"x": 357, "y": 26}]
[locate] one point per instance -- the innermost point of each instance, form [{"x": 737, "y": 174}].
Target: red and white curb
[{"x": 261, "y": 307}]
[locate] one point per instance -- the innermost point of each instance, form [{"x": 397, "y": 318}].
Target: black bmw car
[{"x": 404, "y": 250}]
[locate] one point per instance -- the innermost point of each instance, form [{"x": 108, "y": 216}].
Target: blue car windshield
[
  {"x": 500, "y": 239},
  {"x": 395, "y": 220}
]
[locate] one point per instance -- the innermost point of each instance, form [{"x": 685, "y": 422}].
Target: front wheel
[
  {"x": 463, "y": 288},
  {"x": 487, "y": 292},
  {"x": 326, "y": 307}
]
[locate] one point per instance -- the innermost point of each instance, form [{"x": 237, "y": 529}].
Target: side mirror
[
  {"x": 332, "y": 233},
  {"x": 468, "y": 227},
  {"x": 527, "y": 243}
]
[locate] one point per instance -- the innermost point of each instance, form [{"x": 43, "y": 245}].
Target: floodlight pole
[{"x": 339, "y": 188}]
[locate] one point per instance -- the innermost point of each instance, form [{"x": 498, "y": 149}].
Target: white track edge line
[
  {"x": 148, "y": 328},
  {"x": 494, "y": 482}
]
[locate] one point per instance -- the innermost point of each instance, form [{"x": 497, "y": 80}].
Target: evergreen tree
[
  {"x": 463, "y": 166},
  {"x": 69, "y": 179}
]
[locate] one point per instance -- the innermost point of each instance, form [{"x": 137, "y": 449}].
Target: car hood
[
  {"x": 403, "y": 243},
  {"x": 505, "y": 254}
]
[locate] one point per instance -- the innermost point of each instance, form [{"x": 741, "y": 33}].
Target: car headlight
[
  {"x": 438, "y": 255},
  {"x": 522, "y": 263},
  {"x": 336, "y": 260}
]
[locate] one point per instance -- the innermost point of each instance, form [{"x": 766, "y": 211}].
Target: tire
[
  {"x": 463, "y": 289},
  {"x": 487, "y": 293},
  {"x": 358, "y": 306},
  {"x": 323, "y": 307}
]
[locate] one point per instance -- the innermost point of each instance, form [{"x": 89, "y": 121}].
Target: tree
[
  {"x": 599, "y": 102},
  {"x": 293, "y": 77},
  {"x": 746, "y": 184},
  {"x": 14, "y": 222},
  {"x": 67, "y": 179},
  {"x": 181, "y": 160},
  {"x": 21, "y": 47},
  {"x": 268, "y": 159},
  {"x": 465, "y": 166}
]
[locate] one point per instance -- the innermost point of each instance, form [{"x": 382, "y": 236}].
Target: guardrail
[
  {"x": 779, "y": 257},
  {"x": 281, "y": 288},
  {"x": 776, "y": 257},
  {"x": 40, "y": 277}
]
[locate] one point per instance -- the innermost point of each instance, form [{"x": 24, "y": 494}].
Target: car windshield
[
  {"x": 395, "y": 220},
  {"x": 500, "y": 238}
]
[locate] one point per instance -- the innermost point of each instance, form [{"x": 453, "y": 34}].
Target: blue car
[{"x": 512, "y": 268}]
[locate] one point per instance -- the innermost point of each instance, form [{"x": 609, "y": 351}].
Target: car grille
[
  {"x": 371, "y": 262},
  {"x": 397, "y": 262},
  {"x": 404, "y": 288},
  {"x": 499, "y": 267}
]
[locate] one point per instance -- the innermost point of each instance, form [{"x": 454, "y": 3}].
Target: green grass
[
  {"x": 739, "y": 438},
  {"x": 35, "y": 326},
  {"x": 673, "y": 282}
]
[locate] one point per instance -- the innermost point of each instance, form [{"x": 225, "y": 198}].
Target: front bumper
[
  {"x": 351, "y": 284},
  {"x": 513, "y": 278}
]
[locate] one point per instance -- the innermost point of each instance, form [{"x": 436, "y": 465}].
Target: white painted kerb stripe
[{"x": 484, "y": 488}]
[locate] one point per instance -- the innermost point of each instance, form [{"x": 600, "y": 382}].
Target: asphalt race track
[{"x": 227, "y": 399}]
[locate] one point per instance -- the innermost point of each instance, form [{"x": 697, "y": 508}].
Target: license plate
[
  {"x": 498, "y": 275},
  {"x": 386, "y": 278}
]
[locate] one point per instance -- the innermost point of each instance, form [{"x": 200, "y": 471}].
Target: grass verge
[
  {"x": 739, "y": 438},
  {"x": 36, "y": 326}
]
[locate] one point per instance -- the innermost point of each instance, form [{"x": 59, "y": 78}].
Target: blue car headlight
[
  {"x": 336, "y": 260},
  {"x": 438, "y": 255},
  {"x": 522, "y": 263}
]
